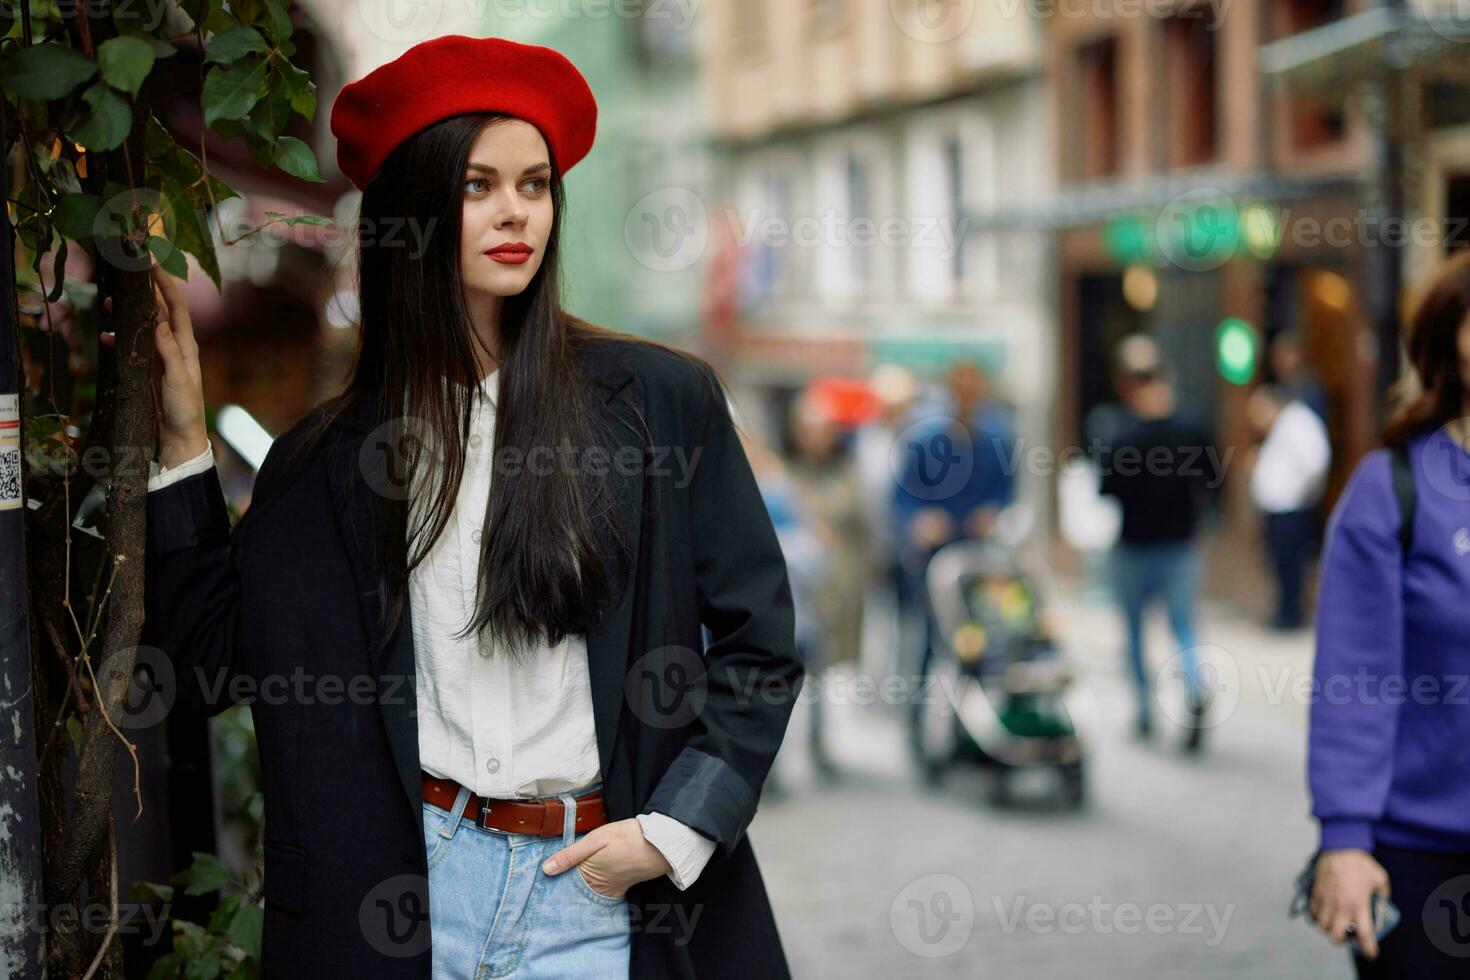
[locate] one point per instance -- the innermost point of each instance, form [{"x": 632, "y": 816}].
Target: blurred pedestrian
[
  {"x": 1386, "y": 758},
  {"x": 821, "y": 466},
  {"x": 1291, "y": 377},
  {"x": 1289, "y": 477},
  {"x": 957, "y": 477},
  {"x": 873, "y": 444},
  {"x": 806, "y": 545},
  {"x": 1157, "y": 461}
]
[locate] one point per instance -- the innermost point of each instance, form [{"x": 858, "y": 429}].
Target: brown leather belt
[{"x": 541, "y": 817}]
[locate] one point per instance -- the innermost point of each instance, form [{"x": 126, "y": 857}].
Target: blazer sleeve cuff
[
  {"x": 188, "y": 513},
  {"x": 686, "y": 850},
  {"x": 701, "y": 791},
  {"x": 160, "y": 476}
]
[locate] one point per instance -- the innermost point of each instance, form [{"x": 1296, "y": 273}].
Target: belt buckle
[{"x": 484, "y": 812}]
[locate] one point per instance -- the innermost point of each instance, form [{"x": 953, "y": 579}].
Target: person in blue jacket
[{"x": 957, "y": 475}]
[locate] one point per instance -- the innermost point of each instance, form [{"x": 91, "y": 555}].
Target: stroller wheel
[
  {"x": 1074, "y": 785},
  {"x": 1000, "y": 786},
  {"x": 935, "y": 731}
]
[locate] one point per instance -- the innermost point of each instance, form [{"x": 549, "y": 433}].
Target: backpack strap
[{"x": 1406, "y": 494}]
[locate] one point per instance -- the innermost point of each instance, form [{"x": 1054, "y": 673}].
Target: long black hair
[{"x": 540, "y": 535}]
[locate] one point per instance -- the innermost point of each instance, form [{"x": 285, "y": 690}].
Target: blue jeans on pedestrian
[
  {"x": 1142, "y": 573},
  {"x": 494, "y": 913}
]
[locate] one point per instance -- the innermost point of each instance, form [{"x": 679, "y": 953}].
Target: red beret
[{"x": 455, "y": 74}]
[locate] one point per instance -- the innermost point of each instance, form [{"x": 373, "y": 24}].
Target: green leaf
[
  {"x": 45, "y": 71},
  {"x": 232, "y": 93},
  {"x": 171, "y": 257},
  {"x": 74, "y": 215},
  {"x": 245, "y": 928},
  {"x": 250, "y": 12},
  {"x": 58, "y": 273},
  {"x": 296, "y": 158},
  {"x": 205, "y": 967},
  {"x": 74, "y": 729},
  {"x": 166, "y": 967},
  {"x": 301, "y": 89},
  {"x": 188, "y": 229},
  {"x": 199, "y": 10},
  {"x": 218, "y": 20},
  {"x": 151, "y": 891},
  {"x": 224, "y": 913},
  {"x": 262, "y": 150},
  {"x": 269, "y": 117},
  {"x": 109, "y": 122},
  {"x": 208, "y": 873},
  {"x": 280, "y": 19},
  {"x": 126, "y": 61},
  {"x": 234, "y": 44},
  {"x": 246, "y": 970},
  {"x": 161, "y": 48}
]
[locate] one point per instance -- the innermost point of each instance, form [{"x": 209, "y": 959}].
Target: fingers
[
  {"x": 572, "y": 855},
  {"x": 173, "y": 331},
  {"x": 1363, "y": 927},
  {"x": 178, "y": 312},
  {"x": 1368, "y": 939}
]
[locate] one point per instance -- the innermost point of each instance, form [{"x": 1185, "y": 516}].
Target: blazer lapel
[
  {"x": 609, "y": 638},
  {"x": 360, "y": 473}
]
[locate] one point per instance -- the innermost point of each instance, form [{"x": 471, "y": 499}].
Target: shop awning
[{"x": 1369, "y": 44}]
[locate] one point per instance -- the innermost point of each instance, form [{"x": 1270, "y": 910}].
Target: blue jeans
[
  {"x": 1142, "y": 573},
  {"x": 494, "y": 913}
]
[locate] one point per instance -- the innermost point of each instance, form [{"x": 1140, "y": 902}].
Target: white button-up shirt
[{"x": 503, "y": 730}]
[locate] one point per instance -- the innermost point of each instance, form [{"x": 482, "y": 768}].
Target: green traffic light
[{"x": 1236, "y": 350}]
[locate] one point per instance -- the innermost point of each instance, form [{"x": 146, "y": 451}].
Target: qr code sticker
[{"x": 10, "y": 474}]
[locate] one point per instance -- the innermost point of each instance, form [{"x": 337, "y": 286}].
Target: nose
[{"x": 512, "y": 211}]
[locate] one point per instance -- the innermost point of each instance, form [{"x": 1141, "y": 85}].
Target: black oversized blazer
[{"x": 280, "y": 610}]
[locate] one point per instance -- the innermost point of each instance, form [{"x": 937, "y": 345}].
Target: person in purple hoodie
[{"x": 1389, "y": 745}]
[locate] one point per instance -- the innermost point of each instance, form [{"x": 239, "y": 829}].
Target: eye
[
  {"x": 538, "y": 184},
  {"x": 471, "y": 182}
]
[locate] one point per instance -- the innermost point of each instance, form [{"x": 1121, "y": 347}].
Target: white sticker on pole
[{"x": 9, "y": 452}]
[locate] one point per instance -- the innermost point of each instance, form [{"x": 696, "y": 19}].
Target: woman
[
  {"x": 1389, "y": 727},
  {"x": 484, "y": 708}
]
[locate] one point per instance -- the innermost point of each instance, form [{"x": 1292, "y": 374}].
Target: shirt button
[
  {"x": 493, "y": 765},
  {"x": 475, "y": 442},
  {"x": 475, "y": 537}
]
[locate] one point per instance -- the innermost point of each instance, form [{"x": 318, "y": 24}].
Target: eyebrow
[{"x": 486, "y": 168}]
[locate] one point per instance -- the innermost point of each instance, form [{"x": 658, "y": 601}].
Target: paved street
[{"x": 1179, "y": 867}]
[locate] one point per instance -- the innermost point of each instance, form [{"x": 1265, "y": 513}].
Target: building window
[
  {"x": 1190, "y": 81},
  {"x": 1314, "y": 120},
  {"x": 751, "y": 24},
  {"x": 1457, "y": 213},
  {"x": 825, "y": 18},
  {"x": 860, "y": 209},
  {"x": 1097, "y": 105},
  {"x": 954, "y": 173}
]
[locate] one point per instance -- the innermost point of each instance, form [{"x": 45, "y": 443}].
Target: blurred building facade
[
  {"x": 859, "y": 144},
  {"x": 1195, "y": 195}
]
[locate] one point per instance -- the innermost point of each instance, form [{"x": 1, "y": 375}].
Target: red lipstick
[{"x": 511, "y": 253}]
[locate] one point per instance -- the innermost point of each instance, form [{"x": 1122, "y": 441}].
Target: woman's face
[{"x": 507, "y": 202}]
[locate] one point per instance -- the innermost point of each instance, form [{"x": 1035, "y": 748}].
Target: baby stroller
[{"x": 997, "y": 685}]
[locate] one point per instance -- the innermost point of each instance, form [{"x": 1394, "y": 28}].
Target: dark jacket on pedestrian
[
  {"x": 293, "y": 592},
  {"x": 1161, "y": 471}
]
